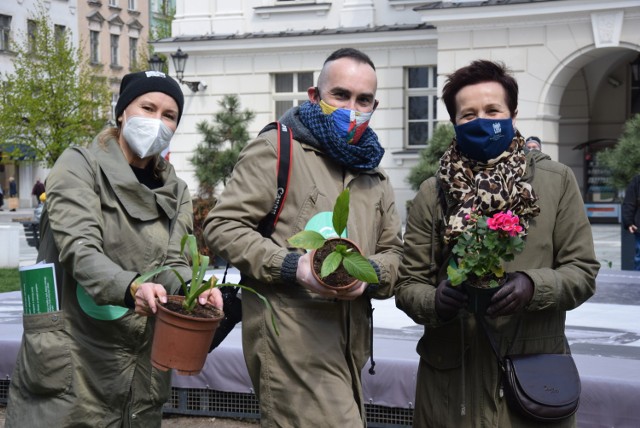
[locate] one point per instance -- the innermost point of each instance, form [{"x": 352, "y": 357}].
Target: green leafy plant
[
  {"x": 353, "y": 262},
  {"x": 198, "y": 284},
  {"x": 482, "y": 249}
]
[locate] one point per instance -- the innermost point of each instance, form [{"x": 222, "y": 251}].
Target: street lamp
[
  {"x": 179, "y": 62},
  {"x": 156, "y": 62}
]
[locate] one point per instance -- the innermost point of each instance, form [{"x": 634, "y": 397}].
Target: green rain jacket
[
  {"x": 457, "y": 365},
  {"x": 309, "y": 375},
  {"x": 89, "y": 363}
]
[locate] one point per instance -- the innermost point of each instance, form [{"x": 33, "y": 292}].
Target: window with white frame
[
  {"x": 113, "y": 3},
  {"x": 421, "y": 102},
  {"x": 132, "y": 5},
  {"x": 290, "y": 90},
  {"x": 133, "y": 52},
  {"x": 5, "y": 32},
  {"x": 115, "y": 42},
  {"x": 94, "y": 46}
]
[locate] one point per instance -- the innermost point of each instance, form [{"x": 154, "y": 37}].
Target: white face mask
[{"x": 146, "y": 136}]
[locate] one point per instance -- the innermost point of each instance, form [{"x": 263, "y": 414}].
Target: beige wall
[{"x": 119, "y": 20}]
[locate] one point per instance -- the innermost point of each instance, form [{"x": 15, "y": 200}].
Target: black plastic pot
[{"x": 479, "y": 298}]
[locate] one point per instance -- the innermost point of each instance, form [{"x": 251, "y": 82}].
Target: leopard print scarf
[{"x": 490, "y": 187}]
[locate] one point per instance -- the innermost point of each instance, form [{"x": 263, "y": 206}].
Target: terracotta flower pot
[
  {"x": 182, "y": 342},
  {"x": 340, "y": 279},
  {"x": 480, "y": 297}
]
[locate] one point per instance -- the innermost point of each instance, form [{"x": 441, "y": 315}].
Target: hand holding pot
[
  {"x": 514, "y": 295},
  {"x": 145, "y": 296},
  {"x": 305, "y": 278},
  {"x": 212, "y": 296},
  {"x": 449, "y": 300}
]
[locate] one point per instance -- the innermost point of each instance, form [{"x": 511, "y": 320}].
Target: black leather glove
[
  {"x": 512, "y": 297},
  {"x": 449, "y": 300}
]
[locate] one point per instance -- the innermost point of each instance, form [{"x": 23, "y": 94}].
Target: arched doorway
[{"x": 586, "y": 101}]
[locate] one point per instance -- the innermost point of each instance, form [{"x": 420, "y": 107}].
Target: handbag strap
[
  {"x": 492, "y": 341},
  {"x": 494, "y": 346}
]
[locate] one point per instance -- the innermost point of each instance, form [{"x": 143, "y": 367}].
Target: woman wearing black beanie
[{"x": 114, "y": 210}]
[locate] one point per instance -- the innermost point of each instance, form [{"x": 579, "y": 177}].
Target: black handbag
[
  {"x": 232, "y": 304},
  {"x": 540, "y": 387}
]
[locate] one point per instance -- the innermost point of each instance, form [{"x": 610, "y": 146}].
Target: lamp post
[
  {"x": 156, "y": 62},
  {"x": 179, "y": 63}
]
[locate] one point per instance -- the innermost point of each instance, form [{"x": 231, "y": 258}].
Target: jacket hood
[{"x": 291, "y": 118}]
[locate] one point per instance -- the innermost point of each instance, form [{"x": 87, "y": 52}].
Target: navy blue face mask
[{"x": 484, "y": 139}]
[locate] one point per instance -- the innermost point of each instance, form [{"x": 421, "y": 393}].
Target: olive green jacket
[
  {"x": 558, "y": 257},
  {"x": 89, "y": 363},
  {"x": 310, "y": 374}
]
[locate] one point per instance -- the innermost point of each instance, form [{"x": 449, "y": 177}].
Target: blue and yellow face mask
[{"x": 349, "y": 124}]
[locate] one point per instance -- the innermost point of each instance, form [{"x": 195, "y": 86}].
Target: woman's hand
[
  {"x": 212, "y": 296},
  {"x": 145, "y": 296}
]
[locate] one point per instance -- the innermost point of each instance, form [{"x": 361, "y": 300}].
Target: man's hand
[
  {"x": 512, "y": 297},
  {"x": 305, "y": 278},
  {"x": 633, "y": 229},
  {"x": 449, "y": 300}
]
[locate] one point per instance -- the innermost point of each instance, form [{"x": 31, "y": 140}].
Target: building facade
[
  {"x": 16, "y": 21},
  {"x": 114, "y": 36},
  {"x": 571, "y": 58}
]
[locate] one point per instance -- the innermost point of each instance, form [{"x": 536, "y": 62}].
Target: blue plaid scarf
[{"x": 364, "y": 155}]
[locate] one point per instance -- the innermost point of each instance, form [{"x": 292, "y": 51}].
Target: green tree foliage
[
  {"x": 430, "y": 156},
  {"x": 53, "y": 99},
  {"x": 624, "y": 158},
  {"x": 215, "y": 157}
]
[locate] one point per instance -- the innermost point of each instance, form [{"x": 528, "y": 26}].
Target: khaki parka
[
  {"x": 310, "y": 374},
  {"x": 457, "y": 365},
  {"x": 89, "y": 364}
]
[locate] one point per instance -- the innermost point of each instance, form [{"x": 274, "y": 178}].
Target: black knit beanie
[{"x": 135, "y": 84}]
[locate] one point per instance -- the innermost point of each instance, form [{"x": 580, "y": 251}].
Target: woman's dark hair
[{"x": 480, "y": 71}]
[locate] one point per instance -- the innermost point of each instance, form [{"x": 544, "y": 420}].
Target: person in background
[
  {"x": 1, "y": 199},
  {"x": 310, "y": 375},
  {"x": 37, "y": 190},
  {"x": 631, "y": 215},
  {"x": 13, "y": 194},
  {"x": 533, "y": 143},
  {"x": 486, "y": 170},
  {"x": 115, "y": 210},
  {"x": 13, "y": 188}
]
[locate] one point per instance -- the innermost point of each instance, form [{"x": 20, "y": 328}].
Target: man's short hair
[{"x": 350, "y": 53}]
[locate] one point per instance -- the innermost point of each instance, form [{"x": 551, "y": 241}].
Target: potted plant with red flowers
[
  {"x": 183, "y": 328},
  {"x": 337, "y": 263},
  {"x": 479, "y": 256}
]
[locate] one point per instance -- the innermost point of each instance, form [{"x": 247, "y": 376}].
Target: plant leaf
[
  {"x": 330, "y": 264},
  {"x": 341, "y": 212},
  {"x": 359, "y": 267},
  {"x": 307, "y": 239},
  {"x": 261, "y": 297}
]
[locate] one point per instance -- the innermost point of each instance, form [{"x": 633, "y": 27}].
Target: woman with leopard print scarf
[{"x": 487, "y": 170}]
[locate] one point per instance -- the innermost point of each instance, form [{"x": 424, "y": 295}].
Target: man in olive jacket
[
  {"x": 486, "y": 169},
  {"x": 310, "y": 374}
]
